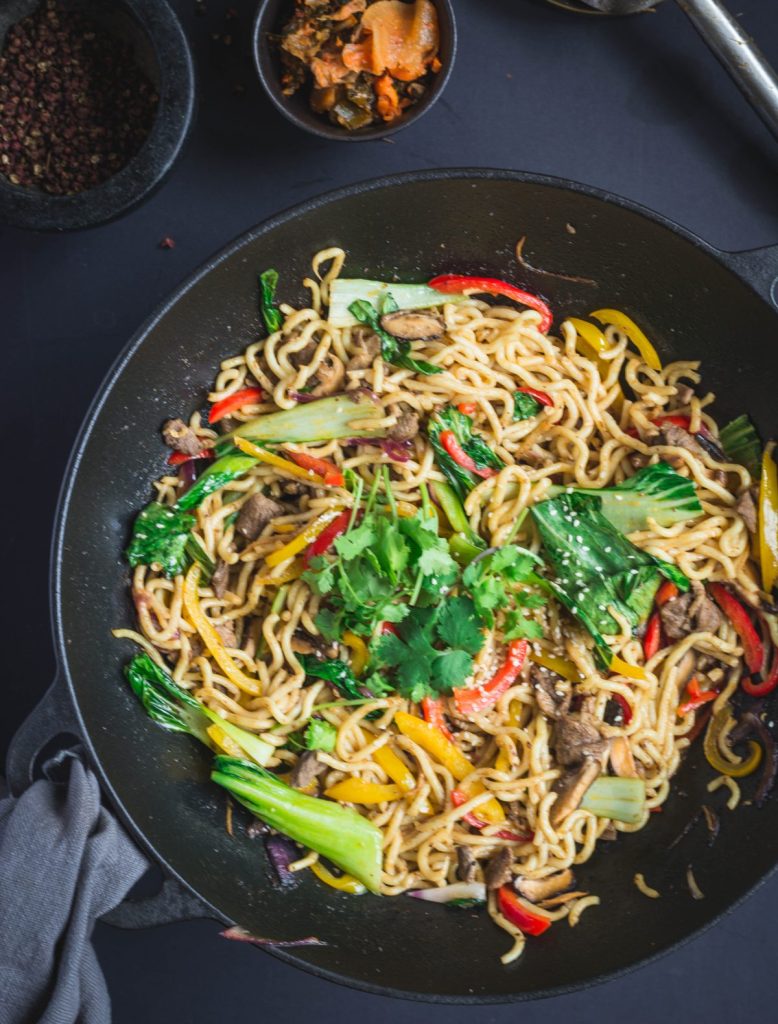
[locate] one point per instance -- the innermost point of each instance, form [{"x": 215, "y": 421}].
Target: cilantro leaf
[
  {"x": 450, "y": 669},
  {"x": 328, "y": 624},
  {"x": 458, "y": 625},
  {"x": 320, "y": 735},
  {"x": 350, "y": 544},
  {"x": 518, "y": 627}
]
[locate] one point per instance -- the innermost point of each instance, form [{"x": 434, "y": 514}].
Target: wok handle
[
  {"x": 739, "y": 55},
  {"x": 759, "y": 268},
  {"x": 51, "y": 717}
]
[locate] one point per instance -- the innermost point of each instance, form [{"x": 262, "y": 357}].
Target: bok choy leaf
[{"x": 345, "y": 291}]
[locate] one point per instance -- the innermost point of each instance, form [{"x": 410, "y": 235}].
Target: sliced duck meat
[
  {"x": 255, "y": 513},
  {"x": 675, "y": 616},
  {"x": 571, "y": 789},
  {"x": 220, "y": 580},
  {"x": 704, "y": 611},
  {"x": 407, "y": 425},
  {"x": 307, "y": 770},
  {"x": 746, "y": 509},
  {"x": 677, "y": 437},
  {"x": 577, "y": 738},
  {"x": 498, "y": 868},
  {"x": 366, "y": 345},
  {"x": 413, "y": 325},
  {"x": 181, "y": 438},
  {"x": 537, "y": 889},
  {"x": 466, "y": 864},
  {"x": 330, "y": 375},
  {"x": 553, "y": 702}
]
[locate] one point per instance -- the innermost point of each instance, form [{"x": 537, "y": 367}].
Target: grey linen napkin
[{"x": 64, "y": 862}]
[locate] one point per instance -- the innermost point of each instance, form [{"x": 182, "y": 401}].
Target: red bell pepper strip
[
  {"x": 666, "y": 593},
  {"x": 626, "y": 707},
  {"x": 472, "y": 819},
  {"x": 327, "y": 537},
  {"x": 329, "y": 473},
  {"x": 389, "y": 627},
  {"x": 652, "y": 641},
  {"x": 539, "y": 396},
  {"x": 455, "y": 284},
  {"x": 467, "y": 408},
  {"x": 247, "y": 396},
  {"x": 478, "y": 698},
  {"x": 460, "y": 456},
  {"x": 431, "y": 709},
  {"x": 753, "y": 648},
  {"x": 697, "y": 697},
  {"x": 512, "y": 910},
  {"x": 767, "y": 685},
  {"x": 178, "y": 458}
]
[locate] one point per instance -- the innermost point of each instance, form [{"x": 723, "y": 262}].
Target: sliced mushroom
[
  {"x": 330, "y": 373},
  {"x": 304, "y": 642},
  {"x": 577, "y": 738},
  {"x": 552, "y": 701},
  {"x": 622, "y": 761},
  {"x": 410, "y": 325},
  {"x": 466, "y": 864},
  {"x": 537, "y": 889},
  {"x": 498, "y": 868},
  {"x": 571, "y": 791}
]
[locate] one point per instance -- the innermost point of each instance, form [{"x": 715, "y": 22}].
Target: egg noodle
[{"x": 584, "y": 439}]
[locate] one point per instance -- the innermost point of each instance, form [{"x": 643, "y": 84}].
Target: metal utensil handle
[{"x": 739, "y": 55}]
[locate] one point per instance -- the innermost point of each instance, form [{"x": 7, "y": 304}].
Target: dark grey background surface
[{"x": 635, "y": 105}]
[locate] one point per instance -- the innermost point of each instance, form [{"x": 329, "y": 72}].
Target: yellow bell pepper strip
[
  {"x": 277, "y": 462},
  {"x": 591, "y": 335},
  {"x": 633, "y": 332},
  {"x": 294, "y": 572},
  {"x": 223, "y": 742},
  {"x": 343, "y": 883},
  {"x": 359, "y": 650},
  {"x": 768, "y": 519},
  {"x": 357, "y": 791},
  {"x": 623, "y": 668},
  {"x": 711, "y": 747},
  {"x": 396, "y": 769},
  {"x": 211, "y": 638},
  {"x": 431, "y": 739},
  {"x": 564, "y": 668},
  {"x": 302, "y": 540}
]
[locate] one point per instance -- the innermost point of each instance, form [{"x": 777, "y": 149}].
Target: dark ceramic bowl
[
  {"x": 273, "y": 15},
  {"x": 163, "y": 52}
]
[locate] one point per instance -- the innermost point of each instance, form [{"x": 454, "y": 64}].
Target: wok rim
[{"x": 84, "y": 437}]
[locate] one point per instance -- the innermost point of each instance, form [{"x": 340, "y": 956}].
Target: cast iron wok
[{"x": 693, "y": 301}]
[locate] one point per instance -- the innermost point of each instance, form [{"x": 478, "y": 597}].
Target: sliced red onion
[
  {"x": 398, "y": 451},
  {"x": 238, "y": 934},
  {"x": 456, "y": 891},
  {"x": 299, "y": 396},
  {"x": 281, "y": 853},
  {"x": 187, "y": 474}
]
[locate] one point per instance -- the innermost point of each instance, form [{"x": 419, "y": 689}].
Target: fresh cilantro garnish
[
  {"x": 320, "y": 735},
  {"x": 493, "y": 581}
]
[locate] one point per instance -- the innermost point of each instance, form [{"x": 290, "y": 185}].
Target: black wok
[{"x": 693, "y": 301}]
